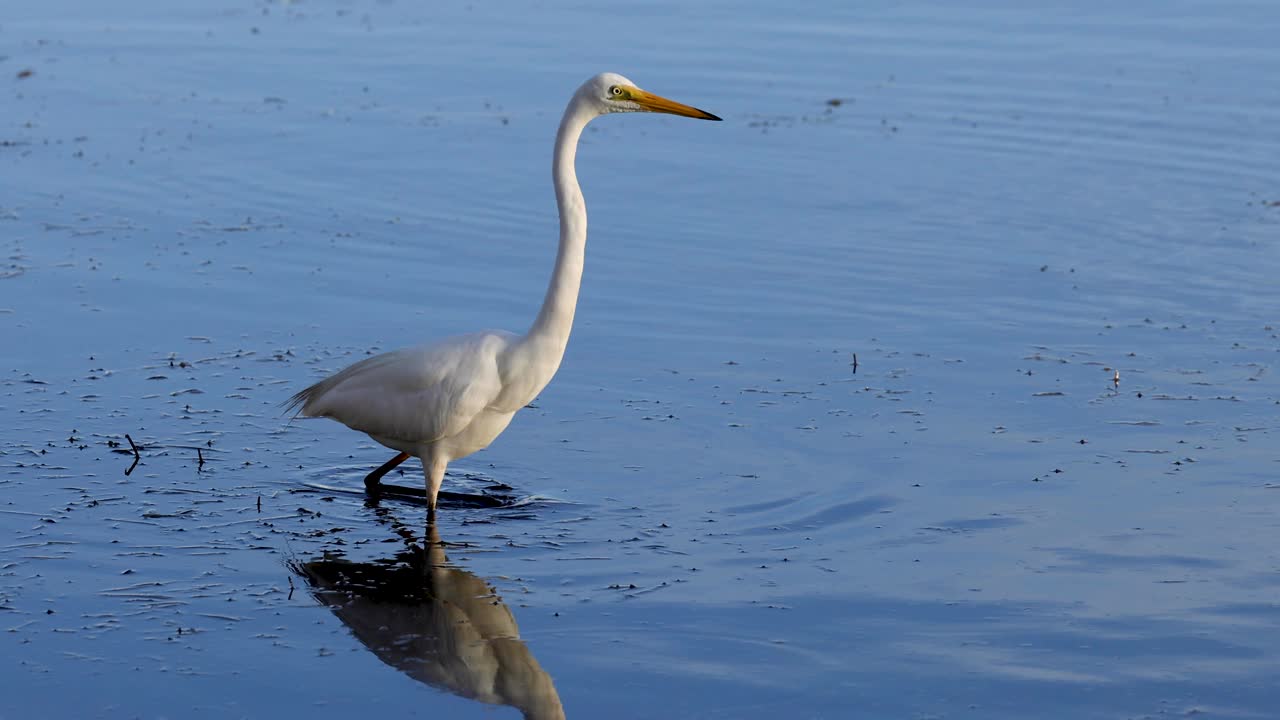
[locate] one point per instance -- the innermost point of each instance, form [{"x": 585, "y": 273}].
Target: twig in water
[
  {"x": 855, "y": 363},
  {"x": 199, "y": 455},
  {"x": 290, "y": 579},
  {"x": 137, "y": 456}
]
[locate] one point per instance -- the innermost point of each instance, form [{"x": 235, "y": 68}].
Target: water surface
[{"x": 995, "y": 208}]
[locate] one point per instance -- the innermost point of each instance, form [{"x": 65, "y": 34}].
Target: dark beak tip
[{"x": 709, "y": 116}]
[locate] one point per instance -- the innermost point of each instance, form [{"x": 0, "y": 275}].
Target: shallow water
[{"x": 992, "y": 208}]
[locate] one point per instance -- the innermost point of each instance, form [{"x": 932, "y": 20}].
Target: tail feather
[
  {"x": 297, "y": 405},
  {"x": 301, "y": 401}
]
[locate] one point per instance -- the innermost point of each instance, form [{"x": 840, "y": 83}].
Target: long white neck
[{"x": 550, "y": 331}]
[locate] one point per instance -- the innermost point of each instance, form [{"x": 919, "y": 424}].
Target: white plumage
[{"x": 446, "y": 400}]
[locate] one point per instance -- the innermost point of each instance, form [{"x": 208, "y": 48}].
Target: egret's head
[{"x": 612, "y": 93}]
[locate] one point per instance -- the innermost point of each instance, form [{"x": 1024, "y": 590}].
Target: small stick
[
  {"x": 137, "y": 456},
  {"x": 132, "y": 444},
  {"x": 259, "y": 503},
  {"x": 855, "y": 363},
  {"x": 199, "y": 455}
]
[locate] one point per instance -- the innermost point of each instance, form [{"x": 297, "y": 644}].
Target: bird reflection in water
[{"x": 435, "y": 622}]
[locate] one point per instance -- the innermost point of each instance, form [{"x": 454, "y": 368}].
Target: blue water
[{"x": 992, "y": 207}]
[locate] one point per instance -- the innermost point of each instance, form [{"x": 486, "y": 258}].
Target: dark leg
[
  {"x": 374, "y": 487},
  {"x": 372, "y": 479}
]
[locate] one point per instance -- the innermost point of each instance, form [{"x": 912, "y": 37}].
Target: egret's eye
[{"x": 615, "y": 91}]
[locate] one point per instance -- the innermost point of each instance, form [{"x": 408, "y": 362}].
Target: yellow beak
[{"x": 659, "y": 104}]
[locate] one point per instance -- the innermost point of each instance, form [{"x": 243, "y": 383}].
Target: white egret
[{"x": 446, "y": 400}]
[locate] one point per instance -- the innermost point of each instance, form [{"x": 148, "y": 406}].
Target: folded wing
[{"x": 416, "y": 395}]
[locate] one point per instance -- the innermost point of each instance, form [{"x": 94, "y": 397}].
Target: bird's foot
[
  {"x": 374, "y": 479},
  {"x": 377, "y": 488},
  {"x": 419, "y": 495}
]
